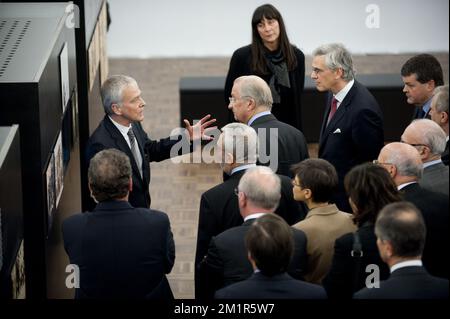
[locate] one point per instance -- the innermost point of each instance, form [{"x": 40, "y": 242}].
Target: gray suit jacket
[{"x": 435, "y": 178}]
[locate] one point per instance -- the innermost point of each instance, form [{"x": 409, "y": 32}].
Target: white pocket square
[{"x": 338, "y": 130}]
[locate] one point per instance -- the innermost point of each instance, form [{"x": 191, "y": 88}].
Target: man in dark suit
[
  {"x": 429, "y": 139},
  {"x": 352, "y": 128},
  {"x": 121, "y": 129},
  {"x": 258, "y": 193},
  {"x": 421, "y": 74},
  {"x": 400, "y": 231},
  {"x": 219, "y": 210},
  {"x": 268, "y": 245},
  {"x": 120, "y": 251},
  {"x": 403, "y": 163},
  {"x": 281, "y": 145},
  {"x": 439, "y": 114}
]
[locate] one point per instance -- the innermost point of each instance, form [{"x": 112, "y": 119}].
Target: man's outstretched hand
[{"x": 200, "y": 129}]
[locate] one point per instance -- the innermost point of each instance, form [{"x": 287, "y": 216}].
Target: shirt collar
[
  {"x": 242, "y": 167},
  {"x": 430, "y": 163},
  {"x": 401, "y": 186},
  {"x": 340, "y": 96},
  {"x": 408, "y": 263},
  {"x": 427, "y": 106},
  {"x": 254, "y": 216},
  {"x": 257, "y": 116},
  {"x": 123, "y": 129}
]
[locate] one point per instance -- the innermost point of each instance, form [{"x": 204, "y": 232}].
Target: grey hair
[
  {"x": 240, "y": 140},
  {"x": 255, "y": 87},
  {"x": 441, "y": 98},
  {"x": 337, "y": 56},
  {"x": 112, "y": 91},
  {"x": 109, "y": 175},
  {"x": 431, "y": 134},
  {"x": 406, "y": 164},
  {"x": 262, "y": 187}
]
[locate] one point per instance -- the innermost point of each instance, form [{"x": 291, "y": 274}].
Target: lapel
[
  {"x": 122, "y": 145},
  {"x": 264, "y": 119},
  {"x": 327, "y": 130}
]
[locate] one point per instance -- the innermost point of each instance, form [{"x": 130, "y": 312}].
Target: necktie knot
[{"x": 333, "y": 109}]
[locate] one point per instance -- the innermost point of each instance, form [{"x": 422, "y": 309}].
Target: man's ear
[
  {"x": 229, "y": 159},
  {"x": 392, "y": 171},
  {"x": 130, "y": 185},
  {"x": 116, "y": 109},
  {"x": 308, "y": 193},
  {"x": 339, "y": 73},
  {"x": 444, "y": 117}
]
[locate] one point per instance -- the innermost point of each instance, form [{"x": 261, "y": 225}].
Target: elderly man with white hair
[
  {"x": 439, "y": 114},
  {"x": 404, "y": 164},
  {"x": 429, "y": 140}
]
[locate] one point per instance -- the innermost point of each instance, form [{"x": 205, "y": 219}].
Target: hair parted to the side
[{"x": 112, "y": 90}]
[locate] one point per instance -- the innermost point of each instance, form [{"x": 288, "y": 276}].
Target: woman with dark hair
[
  {"x": 370, "y": 188},
  {"x": 272, "y": 57}
]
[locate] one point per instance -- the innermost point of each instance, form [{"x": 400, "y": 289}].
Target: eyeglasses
[
  {"x": 234, "y": 99},
  {"x": 376, "y": 162},
  {"x": 415, "y": 145}
]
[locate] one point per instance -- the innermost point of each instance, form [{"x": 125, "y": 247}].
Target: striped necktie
[{"x": 135, "y": 150}]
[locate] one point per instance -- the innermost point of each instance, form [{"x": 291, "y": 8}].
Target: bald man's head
[
  {"x": 401, "y": 160},
  {"x": 427, "y": 136}
]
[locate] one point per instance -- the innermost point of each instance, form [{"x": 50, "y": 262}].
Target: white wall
[{"x": 201, "y": 28}]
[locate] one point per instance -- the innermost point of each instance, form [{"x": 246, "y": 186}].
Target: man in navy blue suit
[
  {"x": 121, "y": 129},
  {"x": 121, "y": 251},
  {"x": 352, "y": 128},
  {"x": 400, "y": 231},
  {"x": 421, "y": 74},
  {"x": 270, "y": 244}
]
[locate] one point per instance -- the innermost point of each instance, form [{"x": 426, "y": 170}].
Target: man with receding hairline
[
  {"x": 404, "y": 164},
  {"x": 400, "y": 231}
]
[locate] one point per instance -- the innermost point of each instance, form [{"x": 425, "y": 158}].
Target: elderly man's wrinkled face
[
  {"x": 132, "y": 106},
  {"x": 239, "y": 105}
]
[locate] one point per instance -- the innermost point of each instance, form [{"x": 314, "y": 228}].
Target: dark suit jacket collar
[
  {"x": 122, "y": 144},
  {"x": 264, "y": 119},
  {"x": 409, "y": 271},
  {"x": 326, "y": 129},
  {"x": 112, "y": 205},
  {"x": 260, "y": 276},
  {"x": 410, "y": 187}
]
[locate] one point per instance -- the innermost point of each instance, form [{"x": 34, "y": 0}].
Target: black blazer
[
  {"x": 226, "y": 262},
  {"x": 289, "y": 110},
  {"x": 292, "y": 147},
  {"x": 108, "y": 136},
  {"x": 408, "y": 283},
  {"x": 280, "y": 286},
  {"x": 353, "y": 136},
  {"x": 434, "y": 208},
  {"x": 445, "y": 156},
  {"x": 121, "y": 251},
  {"x": 219, "y": 210},
  {"x": 340, "y": 281}
]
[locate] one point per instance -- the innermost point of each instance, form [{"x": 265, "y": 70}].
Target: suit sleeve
[
  {"x": 367, "y": 134},
  {"x": 207, "y": 225},
  {"x": 156, "y": 151},
  {"x": 210, "y": 273},
  {"x": 339, "y": 281},
  {"x": 170, "y": 248}
]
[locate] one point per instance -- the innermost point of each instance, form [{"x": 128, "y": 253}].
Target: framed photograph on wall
[
  {"x": 59, "y": 168},
  {"x": 50, "y": 181},
  {"x": 64, "y": 74}
]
